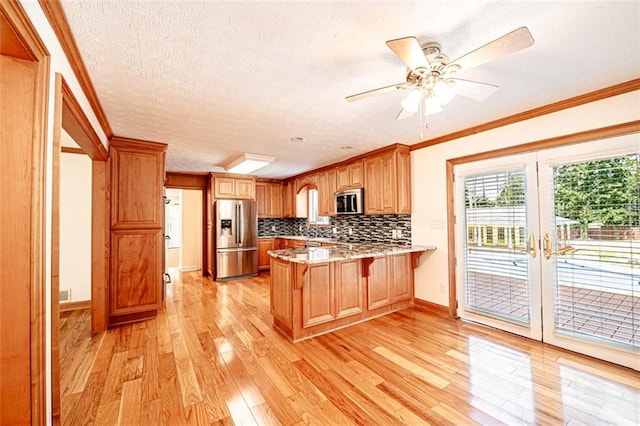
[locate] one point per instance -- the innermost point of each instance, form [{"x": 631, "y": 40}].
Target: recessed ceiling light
[
  {"x": 297, "y": 139},
  {"x": 345, "y": 148}
]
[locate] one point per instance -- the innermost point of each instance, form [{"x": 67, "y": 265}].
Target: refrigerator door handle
[
  {"x": 237, "y": 227},
  {"x": 240, "y": 224}
]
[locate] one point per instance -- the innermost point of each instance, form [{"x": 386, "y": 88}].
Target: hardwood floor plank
[
  {"x": 212, "y": 356},
  {"x": 131, "y": 403}
]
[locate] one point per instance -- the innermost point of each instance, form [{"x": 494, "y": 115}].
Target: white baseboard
[{"x": 189, "y": 268}]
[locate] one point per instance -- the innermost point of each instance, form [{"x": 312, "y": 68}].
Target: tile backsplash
[{"x": 375, "y": 228}]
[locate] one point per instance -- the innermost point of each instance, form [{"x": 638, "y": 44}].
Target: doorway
[
  {"x": 183, "y": 230},
  {"x": 548, "y": 246}
]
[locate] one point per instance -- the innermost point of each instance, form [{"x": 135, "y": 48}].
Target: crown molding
[
  {"x": 58, "y": 20},
  {"x": 586, "y": 98}
]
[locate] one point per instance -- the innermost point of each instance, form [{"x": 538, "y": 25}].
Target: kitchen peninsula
[{"x": 315, "y": 290}]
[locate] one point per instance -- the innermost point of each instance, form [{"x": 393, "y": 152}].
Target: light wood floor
[{"x": 212, "y": 357}]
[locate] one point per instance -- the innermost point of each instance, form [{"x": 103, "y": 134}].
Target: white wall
[
  {"x": 75, "y": 225},
  {"x": 191, "y": 245},
  {"x": 429, "y": 198}
]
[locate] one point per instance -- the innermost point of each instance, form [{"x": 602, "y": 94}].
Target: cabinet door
[
  {"x": 387, "y": 183},
  {"x": 245, "y": 189},
  {"x": 275, "y": 200},
  {"x": 288, "y": 209},
  {"x": 356, "y": 174},
  {"x": 403, "y": 186},
  {"x": 401, "y": 277},
  {"x": 264, "y": 259},
  {"x": 224, "y": 187},
  {"x": 136, "y": 271},
  {"x": 318, "y": 296},
  {"x": 378, "y": 284},
  {"x": 262, "y": 198},
  {"x": 136, "y": 189},
  {"x": 343, "y": 178},
  {"x": 281, "y": 291},
  {"x": 349, "y": 288},
  {"x": 372, "y": 198}
]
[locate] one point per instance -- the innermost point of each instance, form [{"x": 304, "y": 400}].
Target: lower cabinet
[
  {"x": 311, "y": 299},
  {"x": 135, "y": 292},
  {"x": 264, "y": 260},
  {"x": 318, "y": 295}
]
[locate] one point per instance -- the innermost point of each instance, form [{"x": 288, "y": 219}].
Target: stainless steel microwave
[{"x": 350, "y": 201}]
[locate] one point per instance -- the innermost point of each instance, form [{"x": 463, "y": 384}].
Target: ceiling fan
[{"x": 432, "y": 76}]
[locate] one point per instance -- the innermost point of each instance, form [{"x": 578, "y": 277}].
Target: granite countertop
[{"x": 344, "y": 252}]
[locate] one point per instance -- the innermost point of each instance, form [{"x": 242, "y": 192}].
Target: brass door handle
[
  {"x": 532, "y": 246},
  {"x": 546, "y": 246}
]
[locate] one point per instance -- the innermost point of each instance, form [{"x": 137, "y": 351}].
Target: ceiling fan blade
[
  {"x": 474, "y": 89},
  {"x": 404, "y": 114},
  {"x": 508, "y": 43},
  {"x": 378, "y": 91},
  {"x": 409, "y": 51}
]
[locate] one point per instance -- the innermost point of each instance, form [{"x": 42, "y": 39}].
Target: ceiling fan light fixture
[
  {"x": 444, "y": 91},
  {"x": 412, "y": 102},
  {"x": 432, "y": 106},
  {"x": 247, "y": 163}
]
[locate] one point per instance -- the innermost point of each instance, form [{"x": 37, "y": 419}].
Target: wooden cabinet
[
  {"x": 264, "y": 245},
  {"x": 378, "y": 286},
  {"x": 401, "y": 277},
  {"x": 349, "y": 288},
  {"x": 233, "y": 187},
  {"x": 288, "y": 199},
  {"x": 350, "y": 176},
  {"x": 318, "y": 305},
  {"x": 390, "y": 280},
  {"x": 136, "y": 218},
  {"x": 388, "y": 182},
  {"x": 307, "y": 180},
  {"x": 288, "y": 243},
  {"x": 326, "y": 192},
  {"x": 269, "y": 199}
]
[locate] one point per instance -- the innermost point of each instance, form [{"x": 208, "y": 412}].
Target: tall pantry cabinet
[{"x": 136, "y": 230}]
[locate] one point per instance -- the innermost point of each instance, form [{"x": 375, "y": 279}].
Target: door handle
[
  {"x": 532, "y": 246},
  {"x": 546, "y": 246}
]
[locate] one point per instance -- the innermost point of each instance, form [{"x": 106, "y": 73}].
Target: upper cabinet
[
  {"x": 288, "y": 199},
  {"x": 233, "y": 187},
  {"x": 350, "y": 176},
  {"x": 269, "y": 198},
  {"x": 388, "y": 182},
  {"x": 326, "y": 192}
]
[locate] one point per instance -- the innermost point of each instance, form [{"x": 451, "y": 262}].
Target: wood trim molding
[
  {"x": 76, "y": 123},
  {"x": 69, "y": 150},
  {"x": 136, "y": 144},
  {"x": 431, "y": 307},
  {"x": 55, "y": 14},
  {"x": 181, "y": 180},
  {"x": 21, "y": 25},
  {"x": 586, "y": 98},
  {"x": 99, "y": 245},
  {"x": 573, "y": 138},
  {"x": 55, "y": 250},
  {"x": 75, "y": 306}
]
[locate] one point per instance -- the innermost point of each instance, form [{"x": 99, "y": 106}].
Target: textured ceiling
[{"x": 217, "y": 78}]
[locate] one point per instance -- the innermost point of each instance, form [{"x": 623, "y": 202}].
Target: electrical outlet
[
  {"x": 399, "y": 233},
  {"x": 350, "y": 231},
  {"x": 273, "y": 228},
  {"x": 335, "y": 230},
  {"x": 393, "y": 234}
]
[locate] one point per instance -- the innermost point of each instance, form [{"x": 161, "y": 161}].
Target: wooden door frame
[
  {"x": 574, "y": 138},
  {"x": 68, "y": 115},
  {"x": 30, "y": 44}
]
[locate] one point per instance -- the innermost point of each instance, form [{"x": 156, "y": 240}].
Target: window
[{"x": 314, "y": 219}]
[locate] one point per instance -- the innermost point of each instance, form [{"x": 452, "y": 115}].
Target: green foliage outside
[{"x": 606, "y": 192}]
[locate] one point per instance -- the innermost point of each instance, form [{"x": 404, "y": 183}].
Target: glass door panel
[
  {"x": 590, "y": 204},
  {"x": 496, "y": 230}
]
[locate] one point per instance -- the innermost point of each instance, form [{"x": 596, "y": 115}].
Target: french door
[{"x": 548, "y": 246}]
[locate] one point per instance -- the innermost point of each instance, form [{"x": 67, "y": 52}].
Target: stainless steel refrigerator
[{"x": 236, "y": 228}]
